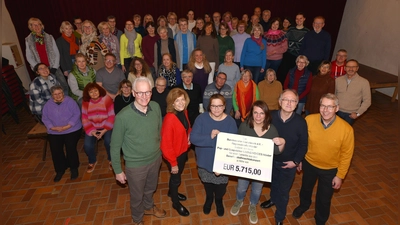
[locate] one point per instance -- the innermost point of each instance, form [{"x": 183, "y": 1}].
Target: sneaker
[
  {"x": 110, "y": 166},
  {"x": 236, "y": 207},
  {"x": 91, "y": 167},
  {"x": 159, "y": 213},
  {"x": 253, "y": 214}
]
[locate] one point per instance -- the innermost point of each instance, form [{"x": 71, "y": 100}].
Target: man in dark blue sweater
[
  {"x": 293, "y": 128},
  {"x": 316, "y": 45}
]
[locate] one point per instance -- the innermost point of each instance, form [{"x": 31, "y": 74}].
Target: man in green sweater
[
  {"x": 328, "y": 158},
  {"x": 137, "y": 131}
]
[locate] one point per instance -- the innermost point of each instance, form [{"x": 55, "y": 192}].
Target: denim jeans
[
  {"x": 300, "y": 107},
  {"x": 346, "y": 117},
  {"x": 255, "y": 71},
  {"x": 90, "y": 146},
  {"x": 273, "y": 64},
  {"x": 256, "y": 188}
]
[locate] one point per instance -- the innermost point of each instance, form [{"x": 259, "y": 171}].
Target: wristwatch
[{"x": 296, "y": 163}]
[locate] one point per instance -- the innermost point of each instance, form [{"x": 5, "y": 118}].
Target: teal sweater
[{"x": 138, "y": 136}]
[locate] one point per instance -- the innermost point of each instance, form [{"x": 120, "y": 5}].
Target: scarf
[
  {"x": 245, "y": 96},
  {"x": 86, "y": 40},
  {"x": 110, "y": 43},
  {"x": 169, "y": 75},
  {"x": 131, "y": 35},
  {"x": 258, "y": 41},
  {"x": 73, "y": 47},
  {"x": 39, "y": 37},
  {"x": 190, "y": 43},
  {"x": 48, "y": 41}
]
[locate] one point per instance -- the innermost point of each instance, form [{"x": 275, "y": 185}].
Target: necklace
[{"x": 126, "y": 101}]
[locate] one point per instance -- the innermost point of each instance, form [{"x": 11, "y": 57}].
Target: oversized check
[{"x": 244, "y": 156}]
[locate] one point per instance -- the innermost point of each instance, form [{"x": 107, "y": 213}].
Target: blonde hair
[
  {"x": 65, "y": 24},
  {"x": 34, "y": 19},
  {"x": 101, "y": 24}
]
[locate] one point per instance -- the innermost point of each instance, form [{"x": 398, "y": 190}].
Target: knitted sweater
[
  {"x": 210, "y": 48},
  {"x": 353, "y": 97},
  {"x": 321, "y": 84},
  {"x": 98, "y": 114},
  {"x": 295, "y": 39},
  {"x": 174, "y": 138},
  {"x": 225, "y": 43},
  {"x": 316, "y": 46},
  {"x": 276, "y": 41},
  {"x": 332, "y": 147},
  {"x": 232, "y": 73},
  {"x": 270, "y": 92},
  {"x": 239, "y": 40},
  {"x": 294, "y": 131},
  {"x": 148, "y": 43},
  {"x": 123, "y": 50},
  {"x": 253, "y": 55},
  {"x": 63, "y": 114},
  {"x": 225, "y": 91},
  {"x": 140, "y": 146},
  {"x": 201, "y": 138}
]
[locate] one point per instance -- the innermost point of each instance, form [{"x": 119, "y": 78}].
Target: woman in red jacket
[{"x": 175, "y": 143}]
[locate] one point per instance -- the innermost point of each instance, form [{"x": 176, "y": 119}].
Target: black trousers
[
  {"x": 175, "y": 179},
  {"x": 62, "y": 160},
  {"x": 216, "y": 191},
  {"x": 324, "y": 191}
]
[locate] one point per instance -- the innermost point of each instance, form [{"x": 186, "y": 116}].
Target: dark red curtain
[{"x": 53, "y": 12}]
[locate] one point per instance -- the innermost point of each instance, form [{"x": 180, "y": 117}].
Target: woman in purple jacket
[{"x": 62, "y": 118}]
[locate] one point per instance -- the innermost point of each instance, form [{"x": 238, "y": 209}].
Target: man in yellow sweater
[{"x": 330, "y": 150}]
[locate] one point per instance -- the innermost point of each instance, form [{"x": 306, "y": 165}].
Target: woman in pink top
[
  {"x": 276, "y": 44},
  {"x": 98, "y": 121}
]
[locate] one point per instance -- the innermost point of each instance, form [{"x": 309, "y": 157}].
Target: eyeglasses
[
  {"x": 141, "y": 94},
  {"x": 109, "y": 61},
  {"x": 289, "y": 100},
  {"x": 87, "y": 27},
  {"x": 216, "y": 106},
  {"x": 330, "y": 108}
]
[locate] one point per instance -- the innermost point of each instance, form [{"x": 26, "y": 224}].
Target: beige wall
[
  {"x": 370, "y": 33},
  {"x": 8, "y": 34}
]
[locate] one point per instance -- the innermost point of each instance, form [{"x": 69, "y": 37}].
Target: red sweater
[{"x": 174, "y": 139}]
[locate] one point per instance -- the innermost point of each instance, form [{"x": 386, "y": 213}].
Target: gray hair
[
  {"x": 139, "y": 80},
  {"x": 330, "y": 96},
  {"x": 55, "y": 88},
  {"x": 289, "y": 90}
]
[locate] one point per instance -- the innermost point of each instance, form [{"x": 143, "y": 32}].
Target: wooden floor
[{"x": 29, "y": 196}]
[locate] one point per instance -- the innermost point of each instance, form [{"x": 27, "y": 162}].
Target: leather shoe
[
  {"x": 298, "y": 212},
  {"x": 267, "y": 204},
  {"x": 181, "y": 209},
  {"x": 279, "y": 223},
  {"x": 181, "y": 197},
  {"x": 58, "y": 177},
  {"x": 74, "y": 174}
]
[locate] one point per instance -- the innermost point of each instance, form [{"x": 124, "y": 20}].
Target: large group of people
[{"x": 159, "y": 87}]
